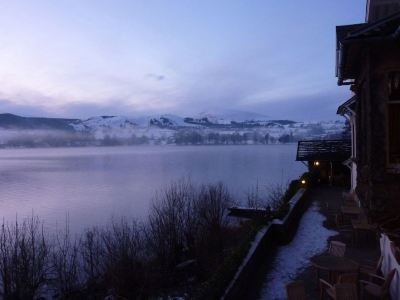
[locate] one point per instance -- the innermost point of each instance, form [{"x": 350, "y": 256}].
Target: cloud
[
  {"x": 7, "y": 106},
  {"x": 86, "y": 110},
  {"x": 317, "y": 106},
  {"x": 154, "y": 76},
  {"x": 234, "y": 82},
  {"x": 321, "y": 105}
]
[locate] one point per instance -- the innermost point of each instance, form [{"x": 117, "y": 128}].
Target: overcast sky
[{"x": 80, "y": 58}]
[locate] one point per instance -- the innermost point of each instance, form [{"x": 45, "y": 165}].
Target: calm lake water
[{"x": 92, "y": 185}]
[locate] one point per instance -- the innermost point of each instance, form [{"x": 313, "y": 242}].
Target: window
[{"x": 394, "y": 119}]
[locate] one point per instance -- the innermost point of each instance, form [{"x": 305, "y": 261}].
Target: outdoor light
[
  {"x": 316, "y": 163},
  {"x": 303, "y": 181}
]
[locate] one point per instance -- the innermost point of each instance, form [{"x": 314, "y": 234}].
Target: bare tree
[
  {"x": 7, "y": 248},
  {"x": 212, "y": 204},
  {"x": 172, "y": 224},
  {"x": 92, "y": 256},
  {"x": 254, "y": 197},
  {"x": 276, "y": 193},
  {"x": 124, "y": 258},
  {"x": 65, "y": 265},
  {"x": 24, "y": 259}
]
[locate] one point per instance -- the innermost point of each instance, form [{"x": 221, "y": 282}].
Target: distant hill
[
  {"x": 17, "y": 131},
  {"x": 10, "y": 121}
]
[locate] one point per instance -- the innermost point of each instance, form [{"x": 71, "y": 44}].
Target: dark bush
[
  {"x": 187, "y": 246},
  {"x": 67, "y": 278},
  {"x": 24, "y": 259}
]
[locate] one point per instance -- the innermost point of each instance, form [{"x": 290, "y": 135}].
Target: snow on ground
[
  {"x": 311, "y": 239},
  {"x": 164, "y": 126},
  {"x": 176, "y": 120}
]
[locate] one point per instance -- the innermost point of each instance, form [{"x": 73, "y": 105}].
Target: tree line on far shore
[{"x": 32, "y": 139}]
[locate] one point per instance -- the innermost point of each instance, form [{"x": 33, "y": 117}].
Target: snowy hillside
[
  {"x": 168, "y": 125},
  {"x": 232, "y": 115},
  {"x": 204, "y": 128}
]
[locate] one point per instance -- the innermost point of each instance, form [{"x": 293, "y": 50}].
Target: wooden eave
[
  {"x": 348, "y": 106},
  {"x": 351, "y": 40},
  {"x": 323, "y": 150}
]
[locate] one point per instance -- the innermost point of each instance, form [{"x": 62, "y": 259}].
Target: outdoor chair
[
  {"x": 337, "y": 248},
  {"x": 362, "y": 225},
  {"x": 347, "y": 195},
  {"x": 390, "y": 226},
  {"x": 296, "y": 291},
  {"x": 345, "y": 228},
  {"x": 338, "y": 291},
  {"x": 330, "y": 289},
  {"x": 340, "y": 221},
  {"x": 394, "y": 247},
  {"x": 371, "y": 269},
  {"x": 380, "y": 291},
  {"x": 349, "y": 199}
]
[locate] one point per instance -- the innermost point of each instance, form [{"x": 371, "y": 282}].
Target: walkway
[
  {"x": 311, "y": 239},
  {"x": 316, "y": 229}
]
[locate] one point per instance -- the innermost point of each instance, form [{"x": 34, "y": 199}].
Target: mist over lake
[{"x": 91, "y": 185}]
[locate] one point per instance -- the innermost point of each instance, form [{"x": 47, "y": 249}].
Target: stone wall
[
  {"x": 265, "y": 244},
  {"x": 377, "y": 188}
]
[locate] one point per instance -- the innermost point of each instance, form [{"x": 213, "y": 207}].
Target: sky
[{"x": 74, "y": 58}]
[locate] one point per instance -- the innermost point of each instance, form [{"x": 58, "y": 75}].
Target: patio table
[
  {"x": 350, "y": 210},
  {"x": 359, "y": 227},
  {"x": 334, "y": 264}
]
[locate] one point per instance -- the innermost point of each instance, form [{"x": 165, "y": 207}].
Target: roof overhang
[
  {"x": 351, "y": 39},
  {"x": 323, "y": 150},
  {"x": 347, "y": 107}
]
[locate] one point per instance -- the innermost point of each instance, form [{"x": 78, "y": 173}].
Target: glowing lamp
[
  {"x": 303, "y": 181},
  {"x": 316, "y": 163}
]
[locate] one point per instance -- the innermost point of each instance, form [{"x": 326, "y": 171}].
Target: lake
[{"x": 92, "y": 185}]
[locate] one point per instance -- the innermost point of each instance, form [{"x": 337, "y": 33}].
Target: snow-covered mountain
[
  {"x": 232, "y": 127},
  {"x": 119, "y": 126},
  {"x": 228, "y": 116}
]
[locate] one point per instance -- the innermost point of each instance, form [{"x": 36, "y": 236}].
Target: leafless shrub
[
  {"x": 276, "y": 193},
  {"x": 211, "y": 211},
  {"x": 92, "y": 257},
  {"x": 65, "y": 265},
  {"x": 255, "y": 198},
  {"x": 135, "y": 261},
  {"x": 124, "y": 258},
  {"x": 7, "y": 248},
  {"x": 171, "y": 224},
  {"x": 24, "y": 259},
  {"x": 211, "y": 206}
]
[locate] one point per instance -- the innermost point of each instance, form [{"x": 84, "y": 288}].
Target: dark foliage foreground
[
  {"x": 187, "y": 247},
  {"x": 181, "y": 243}
]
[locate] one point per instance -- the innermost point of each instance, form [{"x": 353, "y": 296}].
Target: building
[
  {"x": 368, "y": 60},
  {"x": 378, "y": 9},
  {"x": 325, "y": 159}
]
